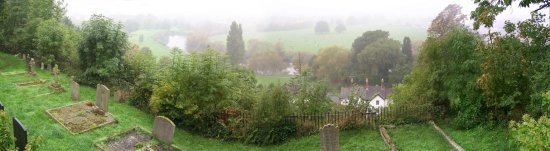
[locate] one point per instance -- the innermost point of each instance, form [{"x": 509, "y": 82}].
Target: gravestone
[
  {"x": 330, "y": 138},
  {"x": 24, "y": 57},
  {"x": 102, "y": 97},
  {"x": 31, "y": 67},
  {"x": 163, "y": 129},
  {"x": 75, "y": 88},
  {"x": 20, "y": 134},
  {"x": 1, "y": 106},
  {"x": 49, "y": 67},
  {"x": 42, "y": 65}
]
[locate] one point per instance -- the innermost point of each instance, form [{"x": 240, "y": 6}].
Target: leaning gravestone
[
  {"x": 75, "y": 88},
  {"x": 163, "y": 129},
  {"x": 102, "y": 97},
  {"x": 330, "y": 138},
  {"x": 20, "y": 133}
]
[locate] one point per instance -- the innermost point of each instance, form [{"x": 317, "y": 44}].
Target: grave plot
[
  {"x": 13, "y": 73},
  {"x": 29, "y": 83},
  {"x": 81, "y": 117},
  {"x": 134, "y": 139}
]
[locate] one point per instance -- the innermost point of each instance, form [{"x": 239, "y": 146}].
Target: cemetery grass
[
  {"x": 307, "y": 40},
  {"x": 480, "y": 138},
  {"x": 418, "y": 137},
  {"x": 31, "y": 111}
]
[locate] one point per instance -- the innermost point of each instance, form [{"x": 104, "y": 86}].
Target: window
[{"x": 377, "y": 102}]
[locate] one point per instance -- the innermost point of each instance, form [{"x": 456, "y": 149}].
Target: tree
[
  {"x": 379, "y": 58},
  {"x": 101, "y": 50},
  {"x": 196, "y": 41},
  {"x": 450, "y": 17},
  {"x": 360, "y": 43},
  {"x": 331, "y": 64},
  {"x": 266, "y": 62},
  {"x": 235, "y": 44},
  {"x": 407, "y": 49},
  {"x": 340, "y": 28},
  {"x": 322, "y": 27},
  {"x": 486, "y": 11},
  {"x": 54, "y": 42}
]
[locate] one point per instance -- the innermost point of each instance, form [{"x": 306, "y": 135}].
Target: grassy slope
[
  {"x": 307, "y": 40},
  {"x": 418, "y": 137},
  {"x": 480, "y": 138},
  {"x": 31, "y": 111},
  {"x": 157, "y": 48}
]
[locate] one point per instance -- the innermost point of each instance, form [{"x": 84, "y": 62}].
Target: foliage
[
  {"x": 101, "y": 50},
  {"x": 531, "y": 134},
  {"x": 141, "y": 72},
  {"x": 266, "y": 62},
  {"x": 379, "y": 58},
  {"x": 6, "y": 139},
  {"x": 194, "y": 89},
  {"x": 340, "y": 28},
  {"x": 55, "y": 43},
  {"x": 269, "y": 124},
  {"x": 322, "y": 27},
  {"x": 309, "y": 97},
  {"x": 331, "y": 63},
  {"x": 486, "y": 11},
  {"x": 235, "y": 44},
  {"x": 406, "y": 49},
  {"x": 447, "y": 19}
]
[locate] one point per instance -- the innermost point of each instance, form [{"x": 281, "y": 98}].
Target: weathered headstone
[
  {"x": 75, "y": 91},
  {"x": 42, "y": 65},
  {"x": 20, "y": 134},
  {"x": 163, "y": 129},
  {"x": 330, "y": 138},
  {"x": 31, "y": 67},
  {"x": 49, "y": 67},
  {"x": 1, "y": 106},
  {"x": 24, "y": 57},
  {"x": 102, "y": 97}
]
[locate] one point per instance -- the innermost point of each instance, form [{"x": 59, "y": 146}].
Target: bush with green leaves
[
  {"x": 531, "y": 134},
  {"x": 269, "y": 124},
  {"x": 140, "y": 72},
  {"x": 101, "y": 51},
  {"x": 6, "y": 139},
  {"x": 194, "y": 89}
]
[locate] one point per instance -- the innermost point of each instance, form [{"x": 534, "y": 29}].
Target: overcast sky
[{"x": 258, "y": 9}]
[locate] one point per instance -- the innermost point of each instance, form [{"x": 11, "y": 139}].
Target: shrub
[
  {"x": 195, "y": 88},
  {"x": 269, "y": 124},
  {"x": 531, "y": 134},
  {"x": 6, "y": 140}
]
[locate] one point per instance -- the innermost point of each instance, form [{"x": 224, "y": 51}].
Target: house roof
[{"x": 367, "y": 94}]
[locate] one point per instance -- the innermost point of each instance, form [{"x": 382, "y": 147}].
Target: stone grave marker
[
  {"x": 20, "y": 134},
  {"x": 75, "y": 91},
  {"x": 1, "y": 106},
  {"x": 31, "y": 67},
  {"x": 24, "y": 57},
  {"x": 49, "y": 67},
  {"x": 330, "y": 138},
  {"x": 42, "y": 65},
  {"x": 163, "y": 129},
  {"x": 102, "y": 97}
]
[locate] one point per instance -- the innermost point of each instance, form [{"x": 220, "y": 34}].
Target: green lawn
[
  {"x": 31, "y": 111},
  {"x": 157, "y": 48},
  {"x": 480, "y": 138},
  {"x": 307, "y": 40},
  {"x": 276, "y": 79},
  {"x": 418, "y": 137}
]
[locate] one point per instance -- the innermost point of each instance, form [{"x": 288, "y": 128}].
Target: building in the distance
[{"x": 376, "y": 96}]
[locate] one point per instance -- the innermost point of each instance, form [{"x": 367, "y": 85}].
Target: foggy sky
[{"x": 261, "y": 9}]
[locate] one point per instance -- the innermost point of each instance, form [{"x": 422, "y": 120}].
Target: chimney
[
  {"x": 382, "y": 90},
  {"x": 367, "y": 84}
]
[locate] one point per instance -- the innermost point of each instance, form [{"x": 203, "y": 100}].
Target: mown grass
[
  {"x": 480, "y": 138},
  {"x": 418, "y": 137},
  {"x": 157, "y": 48},
  {"x": 307, "y": 40},
  {"x": 31, "y": 111},
  {"x": 275, "y": 79}
]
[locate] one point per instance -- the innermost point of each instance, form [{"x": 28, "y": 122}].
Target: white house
[{"x": 375, "y": 96}]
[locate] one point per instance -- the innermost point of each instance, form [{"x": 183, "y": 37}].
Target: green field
[
  {"x": 307, "y": 40},
  {"x": 157, "y": 48},
  {"x": 418, "y": 137},
  {"x": 276, "y": 79},
  {"x": 480, "y": 138}
]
